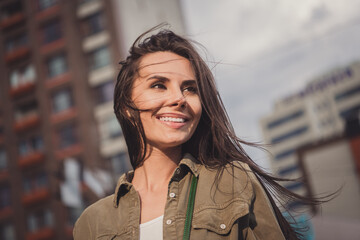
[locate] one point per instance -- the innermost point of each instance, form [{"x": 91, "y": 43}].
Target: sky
[{"x": 264, "y": 50}]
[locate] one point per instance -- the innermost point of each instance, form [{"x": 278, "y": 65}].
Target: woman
[{"x": 178, "y": 135}]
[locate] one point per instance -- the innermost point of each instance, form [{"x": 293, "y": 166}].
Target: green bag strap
[{"x": 190, "y": 208}]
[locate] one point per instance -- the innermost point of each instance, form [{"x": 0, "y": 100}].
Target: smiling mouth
[{"x": 172, "y": 119}]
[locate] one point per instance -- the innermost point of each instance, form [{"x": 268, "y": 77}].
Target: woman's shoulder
[
  {"x": 88, "y": 220},
  {"x": 101, "y": 204},
  {"x": 101, "y": 207},
  {"x": 235, "y": 178},
  {"x": 234, "y": 170}
]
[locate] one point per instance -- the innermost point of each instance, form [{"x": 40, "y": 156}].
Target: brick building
[{"x": 57, "y": 69}]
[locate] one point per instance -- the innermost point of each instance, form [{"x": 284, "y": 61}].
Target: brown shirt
[{"x": 235, "y": 208}]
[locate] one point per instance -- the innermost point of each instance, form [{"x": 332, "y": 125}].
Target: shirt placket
[
  {"x": 169, "y": 222},
  {"x": 134, "y": 214}
]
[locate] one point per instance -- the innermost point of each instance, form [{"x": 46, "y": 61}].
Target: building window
[
  {"x": 295, "y": 204},
  {"x": 44, "y": 4},
  {"x": 93, "y": 24},
  {"x": 51, "y": 32},
  {"x": 5, "y": 198},
  {"x": 323, "y": 106},
  {"x": 16, "y": 42},
  {"x": 326, "y": 122},
  {"x": 288, "y": 170},
  {"x": 84, "y": 1},
  {"x": 284, "y": 154},
  {"x": 10, "y": 10},
  {"x": 104, "y": 92},
  {"x": 285, "y": 119},
  {"x": 35, "y": 182},
  {"x": 348, "y": 93},
  {"x": 30, "y": 145},
  {"x": 119, "y": 164},
  {"x": 22, "y": 76},
  {"x": 291, "y": 134},
  {"x": 7, "y": 232},
  {"x": 294, "y": 186},
  {"x": 110, "y": 128},
  {"x": 113, "y": 127},
  {"x": 99, "y": 58},
  {"x": 67, "y": 136},
  {"x": 56, "y": 65},
  {"x": 3, "y": 159},
  {"x": 347, "y": 113},
  {"x": 27, "y": 110},
  {"x": 61, "y": 101},
  {"x": 40, "y": 219},
  {"x": 73, "y": 214}
]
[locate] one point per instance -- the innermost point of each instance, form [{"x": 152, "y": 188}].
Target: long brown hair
[{"x": 214, "y": 143}]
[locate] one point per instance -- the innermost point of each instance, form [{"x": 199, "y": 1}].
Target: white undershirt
[{"x": 152, "y": 230}]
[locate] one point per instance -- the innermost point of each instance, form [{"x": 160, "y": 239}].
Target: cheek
[
  {"x": 198, "y": 114},
  {"x": 146, "y": 118},
  {"x": 196, "y": 107},
  {"x": 148, "y": 101}
]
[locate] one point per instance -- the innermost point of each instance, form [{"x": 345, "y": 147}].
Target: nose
[
  {"x": 178, "y": 99},
  {"x": 181, "y": 102}
]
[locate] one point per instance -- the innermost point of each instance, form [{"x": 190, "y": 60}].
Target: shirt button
[
  {"x": 172, "y": 195},
  {"x": 222, "y": 226},
  {"x": 168, "y": 222},
  {"x": 177, "y": 171}
]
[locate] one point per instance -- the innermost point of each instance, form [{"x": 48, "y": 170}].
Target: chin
[{"x": 171, "y": 143}]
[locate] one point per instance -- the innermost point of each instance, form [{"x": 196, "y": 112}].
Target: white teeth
[{"x": 171, "y": 119}]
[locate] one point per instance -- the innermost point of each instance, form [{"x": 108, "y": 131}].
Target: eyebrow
[
  {"x": 165, "y": 79},
  {"x": 162, "y": 78}
]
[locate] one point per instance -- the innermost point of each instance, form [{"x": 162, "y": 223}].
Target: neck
[{"x": 157, "y": 169}]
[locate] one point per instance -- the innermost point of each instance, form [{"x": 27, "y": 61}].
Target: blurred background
[{"x": 288, "y": 73}]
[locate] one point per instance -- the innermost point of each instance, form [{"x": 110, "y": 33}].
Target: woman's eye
[
  {"x": 158, "y": 86},
  {"x": 190, "y": 89}
]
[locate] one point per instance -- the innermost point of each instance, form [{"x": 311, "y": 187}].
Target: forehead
[{"x": 165, "y": 62}]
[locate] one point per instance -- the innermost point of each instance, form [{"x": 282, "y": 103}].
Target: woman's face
[{"x": 166, "y": 87}]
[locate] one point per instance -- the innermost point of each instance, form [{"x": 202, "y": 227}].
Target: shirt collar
[
  {"x": 189, "y": 161},
  {"x": 123, "y": 186},
  {"x": 124, "y": 183}
]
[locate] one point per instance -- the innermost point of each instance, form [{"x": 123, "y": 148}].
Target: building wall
[
  {"x": 49, "y": 88},
  {"x": 331, "y": 167},
  {"x": 135, "y": 17},
  {"x": 101, "y": 81},
  {"x": 316, "y": 112}
]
